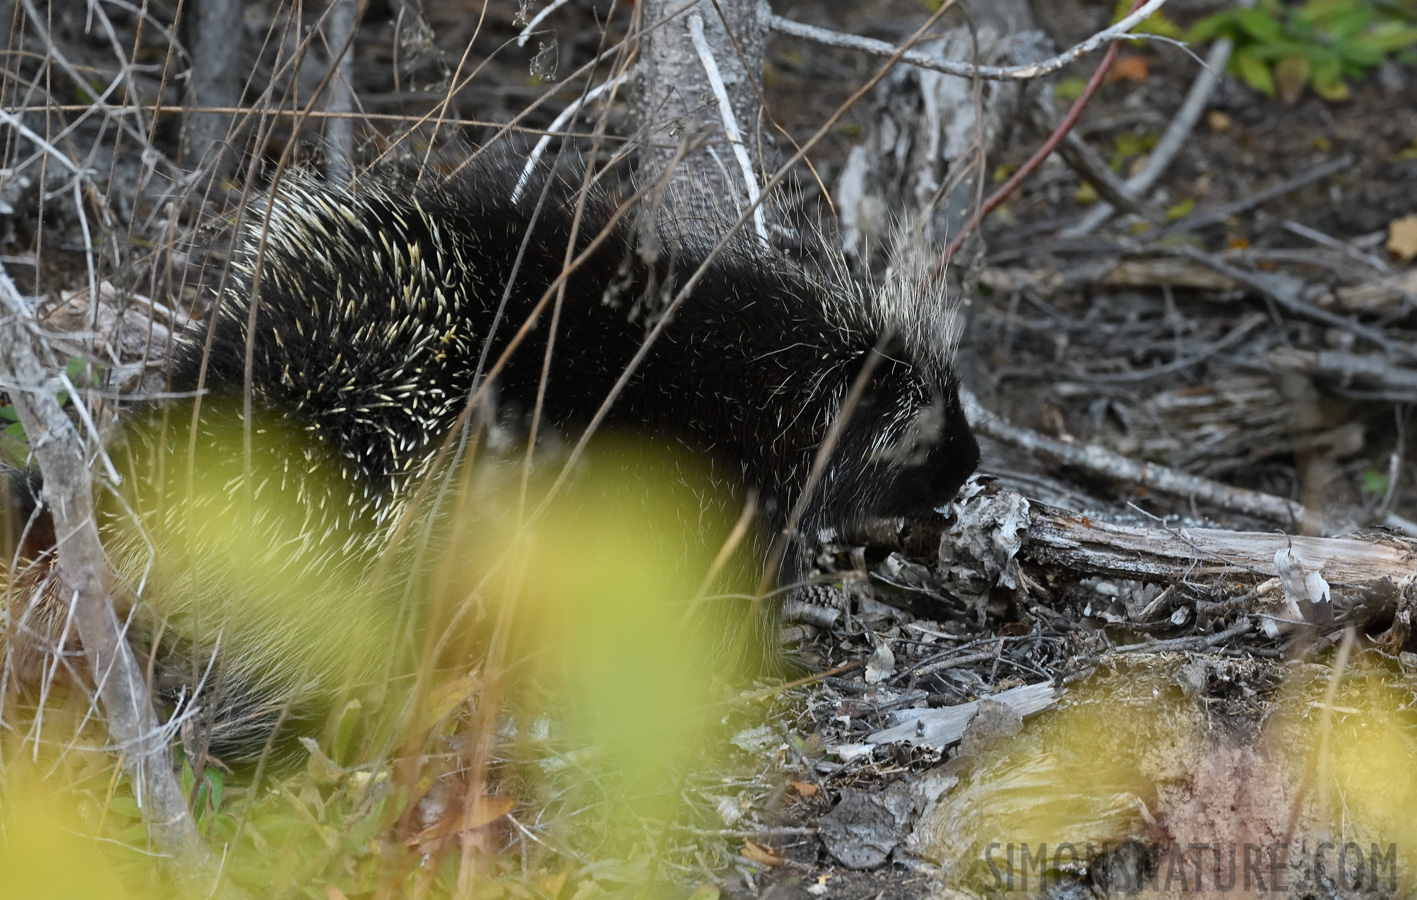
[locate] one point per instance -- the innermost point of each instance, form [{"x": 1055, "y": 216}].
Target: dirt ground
[
  {"x": 1176, "y": 720},
  {"x": 1206, "y": 737}
]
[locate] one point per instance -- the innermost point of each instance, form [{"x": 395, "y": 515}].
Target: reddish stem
[{"x": 993, "y": 201}]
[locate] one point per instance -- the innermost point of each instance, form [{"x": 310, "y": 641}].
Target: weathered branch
[
  {"x": 1075, "y": 541},
  {"x": 136, "y": 735},
  {"x": 1104, "y": 462},
  {"x": 1026, "y": 72}
]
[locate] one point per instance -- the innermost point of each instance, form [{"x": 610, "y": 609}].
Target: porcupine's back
[
  {"x": 372, "y": 320},
  {"x": 375, "y": 310}
]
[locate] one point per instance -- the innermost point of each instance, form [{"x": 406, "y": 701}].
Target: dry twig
[
  {"x": 1025, "y": 72},
  {"x": 1107, "y": 464}
]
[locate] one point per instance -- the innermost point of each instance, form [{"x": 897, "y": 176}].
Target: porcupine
[{"x": 378, "y": 308}]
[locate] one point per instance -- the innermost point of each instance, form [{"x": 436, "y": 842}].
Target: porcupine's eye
[
  {"x": 928, "y": 457},
  {"x": 919, "y": 436}
]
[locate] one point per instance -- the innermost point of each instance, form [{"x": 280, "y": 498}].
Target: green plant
[
  {"x": 1280, "y": 48},
  {"x": 14, "y": 446},
  {"x": 1156, "y": 24},
  {"x": 12, "y": 436}
]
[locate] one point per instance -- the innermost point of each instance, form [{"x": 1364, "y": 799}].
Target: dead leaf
[
  {"x": 1219, "y": 122},
  {"x": 762, "y": 855},
  {"x": 881, "y": 665},
  {"x": 485, "y": 810},
  {"x": 1290, "y": 76},
  {"x": 1129, "y": 68},
  {"x": 447, "y": 697},
  {"x": 551, "y": 885},
  {"x": 1379, "y": 297},
  {"x": 804, "y": 789},
  {"x": 1402, "y": 238},
  {"x": 334, "y": 893}
]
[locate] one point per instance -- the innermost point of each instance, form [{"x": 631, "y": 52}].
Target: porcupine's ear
[
  {"x": 913, "y": 304},
  {"x": 908, "y": 445}
]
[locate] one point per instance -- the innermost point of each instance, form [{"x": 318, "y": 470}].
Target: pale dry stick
[
  {"x": 1283, "y": 295},
  {"x": 1161, "y": 156},
  {"x": 1193, "y": 643},
  {"x": 80, "y": 178},
  {"x": 90, "y": 267},
  {"x": 537, "y": 20},
  {"x": 556, "y": 125},
  {"x": 136, "y": 734},
  {"x": 45, "y": 146},
  {"x": 126, "y": 66},
  {"x": 1166, "y": 149},
  {"x": 1025, "y": 72},
  {"x": 1361, "y": 375},
  {"x": 1092, "y": 168},
  {"x": 730, "y": 122},
  {"x": 1343, "y": 247},
  {"x": 515, "y": 122},
  {"x": 1216, "y": 215},
  {"x": 1322, "y": 758},
  {"x": 1108, "y": 464}
]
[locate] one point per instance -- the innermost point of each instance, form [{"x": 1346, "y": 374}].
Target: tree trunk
[
  {"x": 682, "y": 125},
  {"x": 214, "y": 35},
  {"x": 925, "y": 155}
]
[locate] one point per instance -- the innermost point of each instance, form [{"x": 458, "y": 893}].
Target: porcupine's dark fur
[{"x": 374, "y": 307}]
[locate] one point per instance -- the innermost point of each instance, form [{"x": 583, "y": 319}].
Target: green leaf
[
  {"x": 186, "y": 778},
  {"x": 1212, "y": 27},
  {"x": 217, "y": 783},
  {"x": 125, "y": 807},
  {"x": 1349, "y": 23},
  {"x": 1391, "y": 37},
  {"x": 1259, "y": 24},
  {"x": 1180, "y": 210},
  {"x": 1335, "y": 92},
  {"x": 1328, "y": 80},
  {"x": 9, "y": 414},
  {"x": 1253, "y": 72},
  {"x": 1069, "y": 88},
  {"x": 344, "y": 730},
  {"x": 1290, "y": 76},
  {"x": 1375, "y": 482},
  {"x": 1363, "y": 55},
  {"x": 1277, "y": 50}
]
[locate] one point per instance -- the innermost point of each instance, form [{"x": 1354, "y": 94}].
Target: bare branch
[
  {"x": 138, "y": 738},
  {"x": 1025, "y": 72}
]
